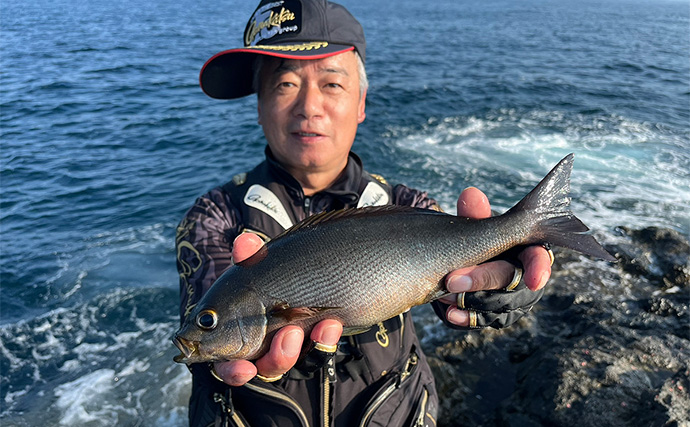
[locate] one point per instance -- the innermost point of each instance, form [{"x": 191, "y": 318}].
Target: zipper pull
[
  {"x": 330, "y": 370},
  {"x": 307, "y": 205},
  {"x": 411, "y": 362},
  {"x": 219, "y": 398}
]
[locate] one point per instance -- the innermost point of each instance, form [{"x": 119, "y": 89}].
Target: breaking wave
[{"x": 626, "y": 172}]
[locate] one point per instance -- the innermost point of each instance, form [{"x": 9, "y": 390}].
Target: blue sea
[{"x": 106, "y": 140}]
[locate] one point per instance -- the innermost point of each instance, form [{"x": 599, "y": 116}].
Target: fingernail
[
  {"x": 292, "y": 343},
  {"x": 457, "y": 284},
  {"x": 330, "y": 335},
  {"x": 458, "y": 317}
]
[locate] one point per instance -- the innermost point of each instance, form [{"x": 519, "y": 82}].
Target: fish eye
[{"x": 207, "y": 319}]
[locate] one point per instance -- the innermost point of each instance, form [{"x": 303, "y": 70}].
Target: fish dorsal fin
[
  {"x": 322, "y": 217},
  {"x": 368, "y": 212}
]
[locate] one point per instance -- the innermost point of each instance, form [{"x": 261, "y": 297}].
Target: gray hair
[{"x": 260, "y": 60}]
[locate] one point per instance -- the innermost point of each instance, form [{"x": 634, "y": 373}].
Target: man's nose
[{"x": 309, "y": 102}]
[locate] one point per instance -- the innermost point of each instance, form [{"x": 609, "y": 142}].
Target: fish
[{"x": 362, "y": 266}]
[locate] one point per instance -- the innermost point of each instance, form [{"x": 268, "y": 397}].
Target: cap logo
[{"x": 273, "y": 19}]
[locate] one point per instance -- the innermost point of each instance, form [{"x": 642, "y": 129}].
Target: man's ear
[{"x": 361, "y": 113}]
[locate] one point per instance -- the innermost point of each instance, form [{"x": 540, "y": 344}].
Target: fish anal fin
[
  {"x": 354, "y": 330},
  {"x": 291, "y": 314}
]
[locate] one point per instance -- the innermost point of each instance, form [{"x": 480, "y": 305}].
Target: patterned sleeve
[
  {"x": 406, "y": 196},
  {"x": 204, "y": 246}
]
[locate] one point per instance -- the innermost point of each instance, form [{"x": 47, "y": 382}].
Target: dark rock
[
  {"x": 608, "y": 344},
  {"x": 659, "y": 254}
]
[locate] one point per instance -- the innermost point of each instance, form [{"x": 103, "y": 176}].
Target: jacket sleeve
[
  {"x": 406, "y": 196},
  {"x": 204, "y": 246}
]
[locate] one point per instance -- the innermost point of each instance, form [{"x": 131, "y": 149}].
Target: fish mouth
[{"x": 187, "y": 348}]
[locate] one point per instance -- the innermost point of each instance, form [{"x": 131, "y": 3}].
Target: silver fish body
[{"x": 363, "y": 266}]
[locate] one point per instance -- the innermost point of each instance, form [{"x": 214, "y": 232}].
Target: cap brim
[{"x": 229, "y": 74}]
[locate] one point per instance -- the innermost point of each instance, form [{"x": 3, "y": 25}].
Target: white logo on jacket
[
  {"x": 373, "y": 195},
  {"x": 263, "y": 199}
]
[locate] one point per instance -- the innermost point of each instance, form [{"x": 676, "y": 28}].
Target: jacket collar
[{"x": 345, "y": 188}]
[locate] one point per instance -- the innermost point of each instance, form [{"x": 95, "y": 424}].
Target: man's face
[{"x": 309, "y": 111}]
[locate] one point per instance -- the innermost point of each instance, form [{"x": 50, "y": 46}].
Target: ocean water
[{"x": 106, "y": 139}]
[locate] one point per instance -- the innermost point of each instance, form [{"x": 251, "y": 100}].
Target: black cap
[{"x": 293, "y": 29}]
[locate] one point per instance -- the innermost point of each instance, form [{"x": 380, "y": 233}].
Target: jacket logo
[
  {"x": 382, "y": 336},
  {"x": 373, "y": 195},
  {"x": 263, "y": 199}
]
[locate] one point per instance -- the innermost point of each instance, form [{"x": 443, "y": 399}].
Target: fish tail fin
[
  {"x": 565, "y": 232},
  {"x": 557, "y": 225}
]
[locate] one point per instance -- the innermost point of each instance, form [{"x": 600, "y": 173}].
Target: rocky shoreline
[{"x": 607, "y": 345}]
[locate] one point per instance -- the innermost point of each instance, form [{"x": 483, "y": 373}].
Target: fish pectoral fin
[
  {"x": 291, "y": 314},
  {"x": 355, "y": 330}
]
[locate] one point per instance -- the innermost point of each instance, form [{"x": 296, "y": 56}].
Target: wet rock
[
  {"x": 659, "y": 254},
  {"x": 674, "y": 396},
  {"x": 608, "y": 344}
]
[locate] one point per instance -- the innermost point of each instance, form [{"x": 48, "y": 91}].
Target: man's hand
[
  {"x": 494, "y": 275},
  {"x": 287, "y": 342}
]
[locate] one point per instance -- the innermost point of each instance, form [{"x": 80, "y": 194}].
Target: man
[{"x": 305, "y": 61}]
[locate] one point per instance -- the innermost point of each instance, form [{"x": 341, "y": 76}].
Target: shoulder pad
[
  {"x": 436, "y": 207},
  {"x": 379, "y": 178},
  {"x": 239, "y": 179}
]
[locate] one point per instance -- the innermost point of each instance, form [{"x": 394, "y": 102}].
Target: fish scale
[{"x": 363, "y": 266}]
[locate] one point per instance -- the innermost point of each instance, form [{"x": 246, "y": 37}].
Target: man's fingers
[
  {"x": 492, "y": 275},
  {"x": 283, "y": 354},
  {"x": 245, "y": 245},
  {"x": 495, "y": 275},
  {"x": 472, "y": 203},
  {"x": 236, "y": 372},
  {"x": 458, "y": 317},
  {"x": 537, "y": 264},
  {"x": 281, "y": 357},
  {"x": 327, "y": 332}
]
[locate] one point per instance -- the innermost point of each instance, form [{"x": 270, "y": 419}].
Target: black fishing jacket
[{"x": 379, "y": 377}]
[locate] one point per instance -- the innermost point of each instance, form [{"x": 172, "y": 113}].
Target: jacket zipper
[
  {"x": 403, "y": 376},
  {"x": 326, "y": 400},
  {"x": 219, "y": 398},
  {"x": 283, "y": 398},
  {"x": 422, "y": 411},
  {"x": 329, "y": 378}
]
